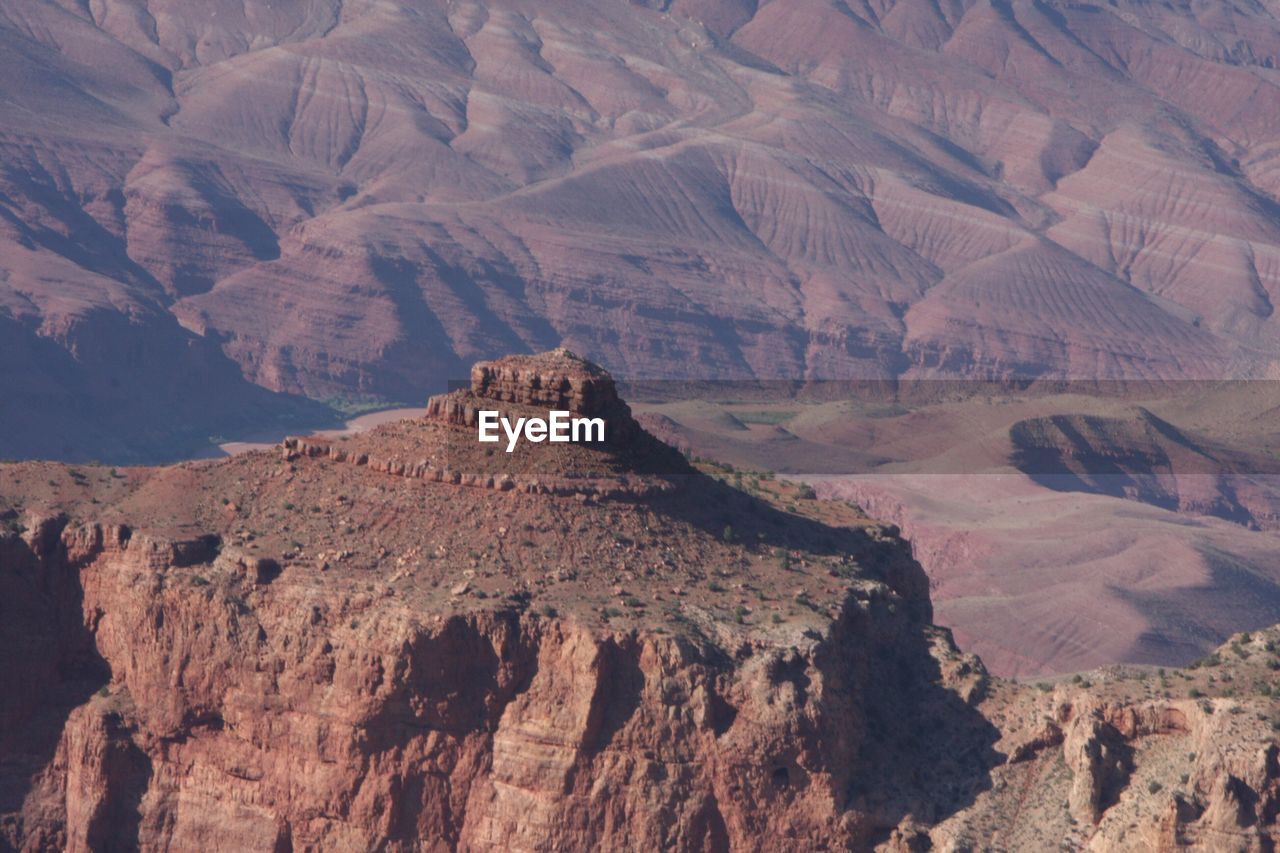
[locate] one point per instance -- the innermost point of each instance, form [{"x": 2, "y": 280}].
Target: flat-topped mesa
[{"x": 555, "y": 380}]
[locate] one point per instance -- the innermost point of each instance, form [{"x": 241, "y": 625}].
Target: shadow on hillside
[
  {"x": 724, "y": 511},
  {"x": 49, "y": 666},
  {"x": 925, "y": 752},
  {"x": 1189, "y": 622},
  {"x": 928, "y": 754}
]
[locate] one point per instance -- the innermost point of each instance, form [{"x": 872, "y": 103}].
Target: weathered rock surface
[
  {"x": 247, "y": 712},
  {"x": 358, "y": 199},
  {"x": 555, "y": 380},
  {"x": 296, "y": 650}
]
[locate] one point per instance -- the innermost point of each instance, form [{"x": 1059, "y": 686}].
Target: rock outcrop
[
  {"x": 555, "y": 380},
  {"x": 247, "y": 715},
  {"x": 291, "y": 650}
]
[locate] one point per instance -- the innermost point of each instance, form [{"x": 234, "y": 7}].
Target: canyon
[
  {"x": 1061, "y": 530},
  {"x": 220, "y": 216},
  {"x": 722, "y": 627},
  {"x": 374, "y": 642}
]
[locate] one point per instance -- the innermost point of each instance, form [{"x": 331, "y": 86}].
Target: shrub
[
  {"x": 727, "y": 535},
  {"x": 1154, "y": 787}
]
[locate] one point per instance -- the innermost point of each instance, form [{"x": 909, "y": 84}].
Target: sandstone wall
[{"x": 242, "y": 714}]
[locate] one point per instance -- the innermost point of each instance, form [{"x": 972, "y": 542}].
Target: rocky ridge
[{"x": 291, "y": 651}]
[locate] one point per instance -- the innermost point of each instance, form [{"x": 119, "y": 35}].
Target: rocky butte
[{"x": 402, "y": 641}]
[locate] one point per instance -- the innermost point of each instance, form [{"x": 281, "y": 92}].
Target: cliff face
[
  {"x": 249, "y": 716},
  {"x": 298, "y": 650}
]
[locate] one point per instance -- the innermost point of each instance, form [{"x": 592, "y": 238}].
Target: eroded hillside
[{"x": 353, "y": 200}]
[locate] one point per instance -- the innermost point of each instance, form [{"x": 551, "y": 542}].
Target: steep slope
[
  {"x": 1061, "y": 530},
  {"x": 296, "y": 648},
  {"x": 359, "y": 199},
  {"x": 333, "y": 645}
]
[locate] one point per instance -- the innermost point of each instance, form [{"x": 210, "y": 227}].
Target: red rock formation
[
  {"x": 556, "y": 380},
  {"x": 259, "y": 715},
  {"x": 295, "y": 650}
]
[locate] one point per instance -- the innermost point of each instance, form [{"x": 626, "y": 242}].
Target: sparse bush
[
  {"x": 806, "y": 492},
  {"x": 1154, "y": 787},
  {"x": 727, "y": 535},
  {"x": 548, "y": 611},
  {"x": 1194, "y": 693}
]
